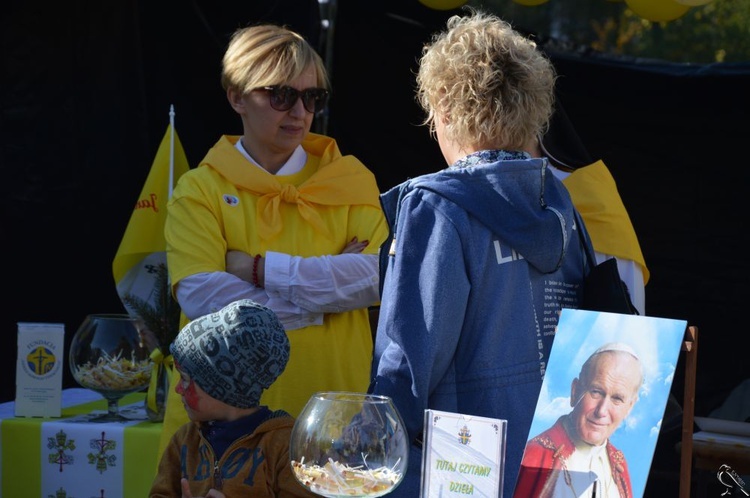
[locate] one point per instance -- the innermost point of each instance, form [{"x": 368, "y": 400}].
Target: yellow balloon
[
  {"x": 657, "y": 10},
  {"x": 530, "y": 3},
  {"x": 443, "y": 4},
  {"x": 694, "y": 3}
]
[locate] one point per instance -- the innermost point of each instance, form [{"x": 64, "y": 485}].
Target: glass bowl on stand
[
  {"x": 349, "y": 444},
  {"x": 108, "y": 355}
]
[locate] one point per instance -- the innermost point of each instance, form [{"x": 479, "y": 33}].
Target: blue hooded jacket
[{"x": 479, "y": 262}]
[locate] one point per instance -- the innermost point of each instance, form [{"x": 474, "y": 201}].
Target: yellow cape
[
  {"x": 339, "y": 181},
  {"x": 594, "y": 194}
]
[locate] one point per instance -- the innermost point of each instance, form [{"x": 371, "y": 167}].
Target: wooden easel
[{"x": 690, "y": 347}]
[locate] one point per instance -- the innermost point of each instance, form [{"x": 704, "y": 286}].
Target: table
[
  {"x": 74, "y": 457},
  {"x": 711, "y": 451}
]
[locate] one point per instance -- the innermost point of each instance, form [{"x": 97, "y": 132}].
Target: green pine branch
[{"x": 162, "y": 318}]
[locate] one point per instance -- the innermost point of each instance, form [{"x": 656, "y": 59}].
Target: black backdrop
[{"x": 86, "y": 89}]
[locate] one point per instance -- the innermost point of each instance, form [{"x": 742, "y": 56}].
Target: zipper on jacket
[{"x": 218, "y": 481}]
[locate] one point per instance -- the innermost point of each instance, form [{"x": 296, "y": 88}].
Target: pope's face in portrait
[{"x": 604, "y": 394}]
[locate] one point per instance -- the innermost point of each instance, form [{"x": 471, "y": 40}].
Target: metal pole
[{"x": 325, "y": 49}]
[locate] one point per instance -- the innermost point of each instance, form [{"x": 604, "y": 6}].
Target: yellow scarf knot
[
  {"x": 337, "y": 181},
  {"x": 269, "y": 216},
  {"x": 289, "y": 193}
]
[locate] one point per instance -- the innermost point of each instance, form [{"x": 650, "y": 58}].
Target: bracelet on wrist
[{"x": 256, "y": 261}]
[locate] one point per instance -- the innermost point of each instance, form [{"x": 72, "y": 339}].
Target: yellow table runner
[{"x": 76, "y": 458}]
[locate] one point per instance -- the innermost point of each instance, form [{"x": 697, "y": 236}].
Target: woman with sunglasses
[{"x": 279, "y": 216}]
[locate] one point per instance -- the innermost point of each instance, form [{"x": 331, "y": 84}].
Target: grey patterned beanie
[{"x": 234, "y": 353}]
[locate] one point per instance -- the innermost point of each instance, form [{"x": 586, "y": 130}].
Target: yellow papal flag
[{"x": 139, "y": 267}]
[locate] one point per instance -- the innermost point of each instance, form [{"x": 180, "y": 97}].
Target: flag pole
[
  {"x": 327, "y": 9},
  {"x": 171, "y": 149}
]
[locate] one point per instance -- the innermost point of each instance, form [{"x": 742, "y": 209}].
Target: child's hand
[
  {"x": 355, "y": 246},
  {"x": 212, "y": 493}
]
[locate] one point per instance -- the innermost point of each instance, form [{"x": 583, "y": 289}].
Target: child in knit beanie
[{"x": 232, "y": 446}]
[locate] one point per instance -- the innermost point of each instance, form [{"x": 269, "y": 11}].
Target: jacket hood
[{"x": 518, "y": 200}]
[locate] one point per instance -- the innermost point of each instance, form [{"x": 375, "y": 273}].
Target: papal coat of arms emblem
[{"x": 464, "y": 435}]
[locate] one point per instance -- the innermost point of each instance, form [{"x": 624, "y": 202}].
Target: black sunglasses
[{"x": 283, "y": 98}]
